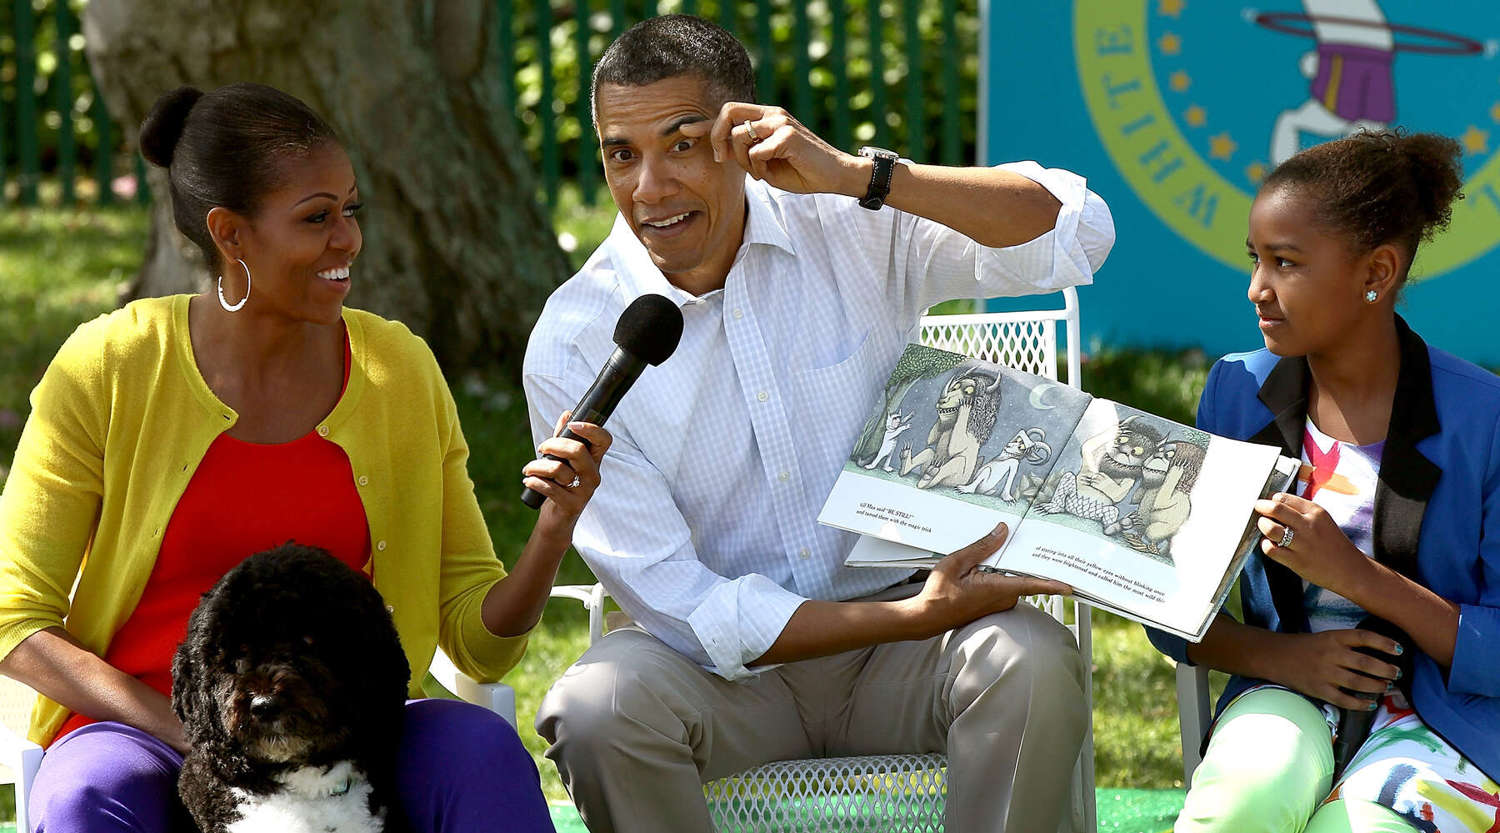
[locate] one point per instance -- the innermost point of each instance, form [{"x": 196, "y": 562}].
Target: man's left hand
[{"x": 771, "y": 145}]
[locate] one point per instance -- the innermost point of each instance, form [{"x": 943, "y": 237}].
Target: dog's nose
[{"x": 264, "y": 705}]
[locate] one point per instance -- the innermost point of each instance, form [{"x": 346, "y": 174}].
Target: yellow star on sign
[
  {"x": 1180, "y": 81},
  {"x": 1169, "y": 44},
  {"x": 1171, "y": 8},
  {"x": 1255, "y": 172},
  {"x": 1476, "y": 140},
  {"x": 1495, "y": 111},
  {"x": 1222, "y": 147},
  {"x": 1195, "y": 116}
]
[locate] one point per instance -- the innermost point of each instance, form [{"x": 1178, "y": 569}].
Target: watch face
[{"x": 871, "y": 152}]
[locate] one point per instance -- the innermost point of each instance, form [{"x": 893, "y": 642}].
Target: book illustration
[
  {"x": 1125, "y": 482},
  {"x": 965, "y": 429},
  {"x": 895, "y": 425},
  {"x": 966, "y": 413},
  {"x": 1098, "y": 495},
  {"x": 998, "y": 476}
]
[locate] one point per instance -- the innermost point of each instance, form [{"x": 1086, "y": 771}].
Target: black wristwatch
[{"x": 880, "y": 176}]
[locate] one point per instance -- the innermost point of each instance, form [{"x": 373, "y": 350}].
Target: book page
[
  {"x": 955, "y": 446},
  {"x": 1143, "y": 513}
]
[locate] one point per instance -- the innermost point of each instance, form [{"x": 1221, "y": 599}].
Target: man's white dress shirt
[{"x": 704, "y": 528}]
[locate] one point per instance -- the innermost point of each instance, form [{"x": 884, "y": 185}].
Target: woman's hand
[
  {"x": 569, "y": 481},
  {"x": 1320, "y": 665},
  {"x": 1319, "y": 551}
]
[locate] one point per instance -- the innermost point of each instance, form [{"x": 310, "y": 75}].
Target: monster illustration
[
  {"x": 1110, "y": 468},
  {"x": 1168, "y": 476},
  {"x": 998, "y": 476},
  {"x": 966, "y": 413}
]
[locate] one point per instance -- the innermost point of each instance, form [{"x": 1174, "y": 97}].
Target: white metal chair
[
  {"x": 20, "y": 758},
  {"x": 903, "y": 792}
]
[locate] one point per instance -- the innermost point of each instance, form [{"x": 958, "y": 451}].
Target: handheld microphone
[{"x": 647, "y": 333}]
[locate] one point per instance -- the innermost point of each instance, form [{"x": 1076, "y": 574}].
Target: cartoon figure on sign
[
  {"x": 895, "y": 426},
  {"x": 1169, "y": 476},
  {"x": 1352, "y": 70},
  {"x": 966, "y": 413},
  {"x": 998, "y": 476},
  {"x": 1353, "y": 81},
  {"x": 1110, "y": 469}
]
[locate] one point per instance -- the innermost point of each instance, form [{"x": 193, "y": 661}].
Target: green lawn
[{"x": 58, "y": 268}]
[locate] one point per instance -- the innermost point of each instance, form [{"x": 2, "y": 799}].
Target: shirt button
[
  {"x": 784, "y": 476},
  {"x": 364, "y": 481},
  {"x": 763, "y": 396},
  {"x": 804, "y": 553},
  {"x": 739, "y": 313},
  {"x": 380, "y": 545},
  {"x": 322, "y": 430}
]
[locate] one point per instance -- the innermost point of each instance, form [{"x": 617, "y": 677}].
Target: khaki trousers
[{"x": 636, "y": 728}]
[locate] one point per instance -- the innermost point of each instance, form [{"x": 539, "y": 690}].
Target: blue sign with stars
[{"x": 1176, "y": 109}]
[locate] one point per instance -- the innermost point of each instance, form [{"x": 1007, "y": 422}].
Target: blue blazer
[{"x": 1437, "y": 518}]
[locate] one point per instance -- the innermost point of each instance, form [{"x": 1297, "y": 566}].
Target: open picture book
[{"x": 1142, "y": 516}]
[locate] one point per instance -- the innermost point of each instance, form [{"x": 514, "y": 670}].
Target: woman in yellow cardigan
[{"x": 173, "y": 438}]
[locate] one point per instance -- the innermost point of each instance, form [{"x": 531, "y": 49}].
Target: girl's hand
[
  {"x": 1319, "y": 551},
  {"x": 567, "y": 482},
  {"x": 1321, "y": 665}
]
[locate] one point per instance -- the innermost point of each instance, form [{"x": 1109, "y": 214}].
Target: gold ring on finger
[{"x": 750, "y": 129}]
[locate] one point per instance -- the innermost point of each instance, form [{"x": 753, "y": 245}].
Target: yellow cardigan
[{"x": 118, "y": 425}]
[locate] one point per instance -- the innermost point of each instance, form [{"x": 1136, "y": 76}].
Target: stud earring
[{"x": 1371, "y": 296}]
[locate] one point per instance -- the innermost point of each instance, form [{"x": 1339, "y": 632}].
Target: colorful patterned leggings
[{"x": 1268, "y": 768}]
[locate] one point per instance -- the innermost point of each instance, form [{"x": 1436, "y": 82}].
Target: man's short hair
[{"x": 672, "y": 45}]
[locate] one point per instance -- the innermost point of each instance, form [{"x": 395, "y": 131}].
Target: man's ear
[{"x": 226, "y": 228}]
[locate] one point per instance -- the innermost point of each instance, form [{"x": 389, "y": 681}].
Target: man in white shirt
[{"x": 752, "y": 642}]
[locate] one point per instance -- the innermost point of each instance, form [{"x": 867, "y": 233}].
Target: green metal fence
[{"x": 896, "y": 73}]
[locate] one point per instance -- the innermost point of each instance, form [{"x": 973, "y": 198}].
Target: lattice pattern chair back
[{"x": 902, "y": 792}]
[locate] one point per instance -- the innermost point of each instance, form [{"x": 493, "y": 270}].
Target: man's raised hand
[{"x": 771, "y": 145}]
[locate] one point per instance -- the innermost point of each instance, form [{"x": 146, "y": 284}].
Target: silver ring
[
  {"x": 574, "y": 484},
  {"x": 1286, "y": 538},
  {"x": 750, "y": 128}
]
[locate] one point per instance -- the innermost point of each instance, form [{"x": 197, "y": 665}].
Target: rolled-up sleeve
[
  {"x": 931, "y": 262},
  {"x": 1474, "y": 669},
  {"x": 636, "y": 541}
]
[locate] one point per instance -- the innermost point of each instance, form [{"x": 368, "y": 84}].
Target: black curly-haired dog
[{"x": 291, "y": 684}]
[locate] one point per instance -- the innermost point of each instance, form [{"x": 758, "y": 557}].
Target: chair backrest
[{"x": 1027, "y": 341}]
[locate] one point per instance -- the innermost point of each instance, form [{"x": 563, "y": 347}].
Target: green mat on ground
[{"x": 1120, "y": 811}]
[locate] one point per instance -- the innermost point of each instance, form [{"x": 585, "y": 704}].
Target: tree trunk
[{"x": 455, "y": 243}]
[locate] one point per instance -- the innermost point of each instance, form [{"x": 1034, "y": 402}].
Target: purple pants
[{"x": 462, "y": 768}]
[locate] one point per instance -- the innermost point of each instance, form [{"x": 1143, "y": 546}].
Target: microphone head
[{"x": 649, "y": 328}]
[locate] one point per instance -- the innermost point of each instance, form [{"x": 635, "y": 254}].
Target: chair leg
[{"x": 1193, "y": 715}]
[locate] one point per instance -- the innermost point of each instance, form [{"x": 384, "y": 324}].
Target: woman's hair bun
[{"x": 163, "y": 125}]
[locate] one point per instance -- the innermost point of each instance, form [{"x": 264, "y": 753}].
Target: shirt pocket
[{"x": 836, "y": 398}]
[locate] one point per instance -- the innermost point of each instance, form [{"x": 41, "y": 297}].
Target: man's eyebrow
[{"x": 677, "y": 125}]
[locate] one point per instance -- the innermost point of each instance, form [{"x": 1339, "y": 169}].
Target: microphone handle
[{"x": 598, "y": 402}]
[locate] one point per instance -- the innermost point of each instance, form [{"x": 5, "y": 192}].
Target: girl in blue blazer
[{"x": 1372, "y": 610}]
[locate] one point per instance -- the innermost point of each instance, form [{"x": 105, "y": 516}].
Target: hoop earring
[{"x": 228, "y": 307}]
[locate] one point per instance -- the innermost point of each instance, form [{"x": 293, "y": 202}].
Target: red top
[{"x": 244, "y": 498}]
